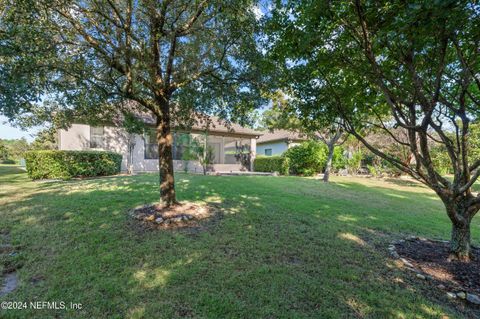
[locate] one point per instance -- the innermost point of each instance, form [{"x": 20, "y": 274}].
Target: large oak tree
[{"x": 171, "y": 58}]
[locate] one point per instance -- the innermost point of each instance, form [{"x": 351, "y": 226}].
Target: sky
[{"x": 9, "y": 132}]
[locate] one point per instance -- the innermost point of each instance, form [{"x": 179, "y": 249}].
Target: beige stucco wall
[
  {"x": 77, "y": 137},
  {"x": 253, "y": 148}
]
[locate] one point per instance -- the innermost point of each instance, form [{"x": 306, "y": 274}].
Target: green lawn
[{"x": 287, "y": 247}]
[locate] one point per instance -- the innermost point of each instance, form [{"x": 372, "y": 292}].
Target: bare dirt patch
[
  {"x": 185, "y": 215},
  {"x": 431, "y": 258},
  {"x": 9, "y": 278}
]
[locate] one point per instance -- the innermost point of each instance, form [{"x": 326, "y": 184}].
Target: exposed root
[{"x": 466, "y": 258}]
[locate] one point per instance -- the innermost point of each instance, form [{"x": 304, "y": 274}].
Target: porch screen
[
  {"x": 182, "y": 143},
  {"x": 183, "y": 146},
  {"x": 234, "y": 149}
]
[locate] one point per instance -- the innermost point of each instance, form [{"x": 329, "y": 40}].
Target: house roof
[
  {"x": 199, "y": 122},
  {"x": 281, "y": 135},
  {"x": 216, "y": 125}
]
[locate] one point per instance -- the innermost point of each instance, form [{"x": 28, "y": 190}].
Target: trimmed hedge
[
  {"x": 68, "y": 164},
  {"x": 9, "y": 161},
  {"x": 271, "y": 164}
]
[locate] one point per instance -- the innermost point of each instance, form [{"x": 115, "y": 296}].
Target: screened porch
[{"x": 225, "y": 149}]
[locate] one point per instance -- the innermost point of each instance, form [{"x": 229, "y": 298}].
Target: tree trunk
[
  {"x": 460, "y": 215},
  {"x": 460, "y": 242},
  {"x": 165, "y": 161},
  {"x": 328, "y": 167}
]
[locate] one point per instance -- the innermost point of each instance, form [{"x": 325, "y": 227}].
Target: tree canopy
[
  {"x": 82, "y": 54},
  {"x": 172, "y": 59},
  {"x": 393, "y": 66}
]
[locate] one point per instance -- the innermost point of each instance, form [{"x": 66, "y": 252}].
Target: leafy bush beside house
[
  {"x": 307, "y": 159},
  {"x": 68, "y": 164},
  {"x": 271, "y": 164}
]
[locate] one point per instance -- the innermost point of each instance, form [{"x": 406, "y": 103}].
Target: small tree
[
  {"x": 4, "y": 154},
  {"x": 284, "y": 115},
  {"x": 202, "y": 152},
  {"x": 396, "y": 65},
  {"x": 46, "y": 139},
  {"x": 16, "y": 148},
  {"x": 331, "y": 137},
  {"x": 197, "y": 149},
  {"x": 207, "y": 159}
]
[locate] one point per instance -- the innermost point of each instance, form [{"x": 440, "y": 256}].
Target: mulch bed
[
  {"x": 431, "y": 258},
  {"x": 182, "y": 215}
]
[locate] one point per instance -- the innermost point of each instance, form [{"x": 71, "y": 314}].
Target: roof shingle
[
  {"x": 280, "y": 135},
  {"x": 198, "y": 122}
]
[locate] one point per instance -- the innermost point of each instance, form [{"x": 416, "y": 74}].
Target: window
[
  {"x": 268, "y": 152},
  {"x": 151, "y": 146},
  {"x": 96, "y": 137}
]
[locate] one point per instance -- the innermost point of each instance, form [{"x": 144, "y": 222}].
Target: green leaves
[
  {"x": 307, "y": 159},
  {"x": 68, "y": 164},
  {"x": 81, "y": 56},
  {"x": 280, "y": 164}
]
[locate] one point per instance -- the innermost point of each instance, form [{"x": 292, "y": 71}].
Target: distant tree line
[{"x": 12, "y": 150}]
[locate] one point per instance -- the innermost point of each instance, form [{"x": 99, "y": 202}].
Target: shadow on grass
[
  {"x": 404, "y": 182},
  {"x": 281, "y": 251}
]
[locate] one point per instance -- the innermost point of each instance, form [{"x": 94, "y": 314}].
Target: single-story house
[
  {"x": 278, "y": 141},
  {"x": 140, "y": 151}
]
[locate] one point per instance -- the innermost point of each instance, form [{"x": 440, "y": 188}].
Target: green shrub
[
  {"x": 285, "y": 166},
  {"x": 441, "y": 160},
  {"x": 9, "y": 161},
  {"x": 355, "y": 162},
  {"x": 339, "y": 160},
  {"x": 307, "y": 158},
  {"x": 374, "y": 171},
  {"x": 271, "y": 164},
  {"x": 68, "y": 164},
  {"x": 370, "y": 159}
]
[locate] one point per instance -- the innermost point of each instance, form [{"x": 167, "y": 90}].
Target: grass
[{"x": 287, "y": 247}]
